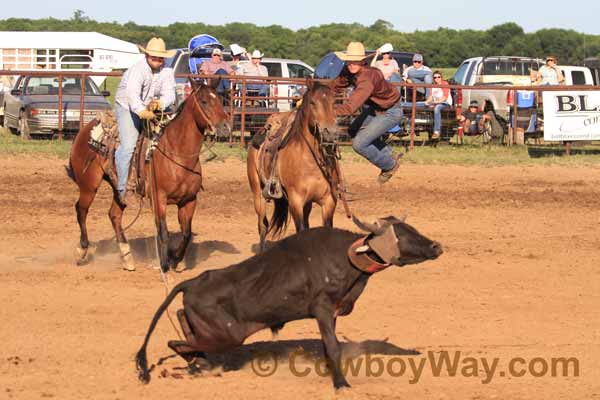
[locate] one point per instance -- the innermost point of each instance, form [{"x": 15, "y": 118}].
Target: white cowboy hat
[
  {"x": 236, "y": 49},
  {"x": 386, "y": 48},
  {"x": 257, "y": 54},
  {"x": 156, "y": 47},
  {"x": 354, "y": 52}
]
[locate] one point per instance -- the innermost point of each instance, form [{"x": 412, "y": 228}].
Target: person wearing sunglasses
[
  {"x": 144, "y": 88},
  {"x": 418, "y": 73},
  {"x": 550, "y": 74},
  {"x": 387, "y": 65},
  {"x": 439, "y": 99}
]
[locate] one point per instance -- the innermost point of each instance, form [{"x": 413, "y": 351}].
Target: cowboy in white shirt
[
  {"x": 145, "y": 87},
  {"x": 255, "y": 68}
]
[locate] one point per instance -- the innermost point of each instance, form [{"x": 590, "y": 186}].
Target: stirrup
[{"x": 272, "y": 189}]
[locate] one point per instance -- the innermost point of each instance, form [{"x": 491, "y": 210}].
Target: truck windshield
[
  {"x": 508, "y": 67},
  {"x": 39, "y": 85}
]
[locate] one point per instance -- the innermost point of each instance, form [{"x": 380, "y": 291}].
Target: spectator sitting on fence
[
  {"x": 388, "y": 66},
  {"x": 236, "y": 54},
  {"x": 550, "y": 74},
  {"x": 439, "y": 99},
  {"x": 418, "y": 73},
  {"x": 473, "y": 119},
  {"x": 216, "y": 66},
  {"x": 255, "y": 68}
]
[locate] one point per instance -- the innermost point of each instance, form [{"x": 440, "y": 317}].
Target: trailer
[{"x": 72, "y": 51}]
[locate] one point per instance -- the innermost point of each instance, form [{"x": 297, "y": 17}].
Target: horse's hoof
[
  {"x": 126, "y": 257},
  {"x": 82, "y": 256},
  {"x": 180, "y": 268}
]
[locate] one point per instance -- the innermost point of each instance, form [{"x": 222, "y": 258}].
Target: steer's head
[{"x": 398, "y": 243}]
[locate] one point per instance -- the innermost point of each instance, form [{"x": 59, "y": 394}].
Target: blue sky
[{"x": 406, "y": 16}]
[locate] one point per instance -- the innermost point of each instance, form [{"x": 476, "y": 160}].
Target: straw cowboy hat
[
  {"x": 257, "y": 54},
  {"x": 156, "y": 47},
  {"x": 354, "y": 52}
]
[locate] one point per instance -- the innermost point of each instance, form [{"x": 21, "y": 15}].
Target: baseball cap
[{"x": 417, "y": 57}]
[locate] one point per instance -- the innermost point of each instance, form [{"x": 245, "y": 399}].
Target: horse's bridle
[{"x": 203, "y": 113}]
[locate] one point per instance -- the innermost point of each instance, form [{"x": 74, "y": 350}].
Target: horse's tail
[
  {"x": 141, "y": 359},
  {"x": 69, "y": 170},
  {"x": 279, "y": 219}
]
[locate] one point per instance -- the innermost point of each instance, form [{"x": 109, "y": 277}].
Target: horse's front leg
[
  {"x": 162, "y": 233},
  {"x": 185, "y": 215},
  {"x": 328, "y": 210},
  {"x": 116, "y": 217},
  {"x": 296, "y": 207}
]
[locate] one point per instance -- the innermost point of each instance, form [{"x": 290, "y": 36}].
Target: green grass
[
  {"x": 111, "y": 84},
  {"x": 12, "y": 144},
  {"x": 466, "y": 155}
]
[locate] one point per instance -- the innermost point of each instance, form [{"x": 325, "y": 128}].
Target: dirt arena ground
[{"x": 519, "y": 280}]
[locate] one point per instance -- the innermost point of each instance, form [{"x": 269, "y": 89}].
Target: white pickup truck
[{"x": 505, "y": 70}]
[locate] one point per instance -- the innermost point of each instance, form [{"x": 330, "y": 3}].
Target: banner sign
[{"x": 572, "y": 115}]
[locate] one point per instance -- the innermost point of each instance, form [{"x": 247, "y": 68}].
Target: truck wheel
[{"x": 23, "y": 126}]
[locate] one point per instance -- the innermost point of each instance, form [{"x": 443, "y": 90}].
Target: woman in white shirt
[{"x": 387, "y": 64}]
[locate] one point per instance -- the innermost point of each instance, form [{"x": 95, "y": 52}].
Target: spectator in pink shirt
[{"x": 439, "y": 98}]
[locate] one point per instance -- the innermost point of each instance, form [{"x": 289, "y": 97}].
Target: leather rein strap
[{"x": 361, "y": 260}]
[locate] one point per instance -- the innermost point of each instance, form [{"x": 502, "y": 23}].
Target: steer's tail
[{"x": 140, "y": 359}]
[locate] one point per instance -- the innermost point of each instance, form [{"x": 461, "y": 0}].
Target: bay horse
[
  {"x": 305, "y": 165},
  {"x": 174, "y": 175}
]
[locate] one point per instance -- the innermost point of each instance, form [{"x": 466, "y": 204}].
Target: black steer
[{"x": 318, "y": 273}]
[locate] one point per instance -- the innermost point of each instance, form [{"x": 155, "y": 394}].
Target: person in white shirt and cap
[
  {"x": 144, "y": 88},
  {"x": 236, "y": 54},
  {"x": 388, "y": 66},
  {"x": 255, "y": 68}
]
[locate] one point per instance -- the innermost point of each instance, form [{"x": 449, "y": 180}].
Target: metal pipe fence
[{"x": 249, "y": 109}]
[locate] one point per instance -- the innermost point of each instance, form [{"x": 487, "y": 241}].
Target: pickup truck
[
  {"x": 505, "y": 70},
  {"x": 493, "y": 71}
]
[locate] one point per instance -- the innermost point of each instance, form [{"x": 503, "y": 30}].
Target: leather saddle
[
  {"x": 104, "y": 141},
  {"x": 269, "y": 140}
]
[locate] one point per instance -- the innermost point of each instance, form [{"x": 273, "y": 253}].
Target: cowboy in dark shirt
[{"x": 381, "y": 109}]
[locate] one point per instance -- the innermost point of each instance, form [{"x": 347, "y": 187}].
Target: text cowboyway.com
[{"x": 413, "y": 368}]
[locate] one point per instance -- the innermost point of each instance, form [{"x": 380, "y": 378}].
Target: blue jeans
[
  {"x": 257, "y": 89},
  {"x": 130, "y": 126},
  {"x": 224, "y": 83},
  {"x": 368, "y": 141},
  {"x": 437, "y": 116}
]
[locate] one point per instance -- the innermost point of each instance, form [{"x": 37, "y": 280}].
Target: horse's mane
[{"x": 304, "y": 110}]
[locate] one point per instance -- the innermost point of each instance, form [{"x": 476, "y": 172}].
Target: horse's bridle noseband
[{"x": 203, "y": 114}]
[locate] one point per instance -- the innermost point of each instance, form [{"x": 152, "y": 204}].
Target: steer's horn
[{"x": 377, "y": 227}]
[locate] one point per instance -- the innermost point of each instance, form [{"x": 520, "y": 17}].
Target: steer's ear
[{"x": 392, "y": 220}]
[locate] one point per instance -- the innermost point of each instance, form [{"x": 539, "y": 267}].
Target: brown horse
[
  {"x": 174, "y": 175},
  {"x": 306, "y": 166}
]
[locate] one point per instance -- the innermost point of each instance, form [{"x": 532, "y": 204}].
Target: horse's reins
[
  {"x": 323, "y": 167},
  {"x": 196, "y": 156}
]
